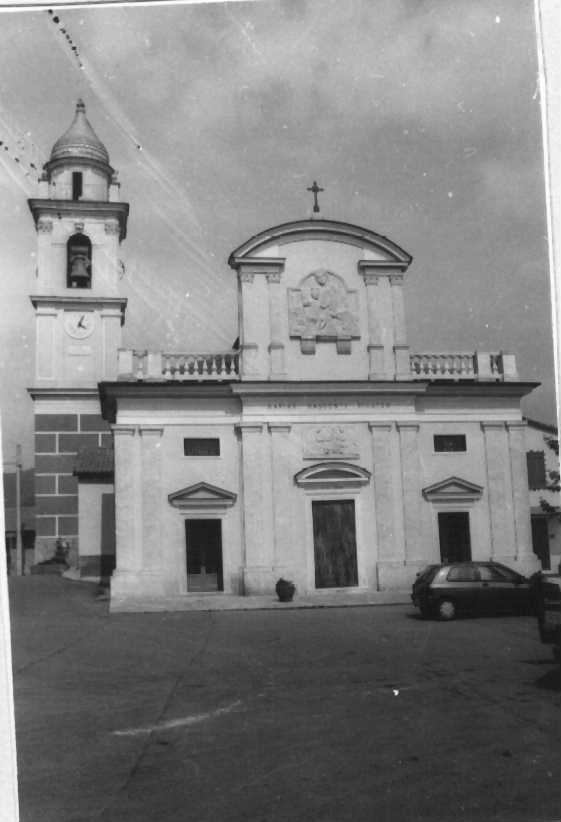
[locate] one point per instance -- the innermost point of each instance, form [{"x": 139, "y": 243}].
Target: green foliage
[{"x": 553, "y": 481}]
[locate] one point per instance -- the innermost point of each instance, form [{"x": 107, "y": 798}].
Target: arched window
[{"x": 79, "y": 262}]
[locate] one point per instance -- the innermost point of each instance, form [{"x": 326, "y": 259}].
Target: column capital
[
  {"x": 381, "y": 426},
  {"x": 492, "y": 425},
  {"x": 273, "y": 276},
  {"x": 370, "y": 277},
  {"x": 124, "y": 430},
  {"x": 382, "y": 267},
  {"x": 249, "y": 427},
  {"x": 156, "y": 430},
  {"x": 45, "y": 226},
  {"x": 407, "y": 426},
  {"x": 516, "y": 425},
  {"x": 258, "y": 265}
]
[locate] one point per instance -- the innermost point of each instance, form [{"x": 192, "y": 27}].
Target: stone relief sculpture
[
  {"x": 330, "y": 441},
  {"x": 323, "y": 309}
]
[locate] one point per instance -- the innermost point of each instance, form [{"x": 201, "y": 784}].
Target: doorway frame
[
  {"x": 205, "y": 501},
  {"x": 336, "y": 495},
  {"x": 339, "y": 481},
  {"x": 331, "y": 498},
  {"x": 205, "y": 518},
  {"x": 455, "y": 510}
]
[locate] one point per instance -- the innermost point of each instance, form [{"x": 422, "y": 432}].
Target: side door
[{"x": 463, "y": 586}]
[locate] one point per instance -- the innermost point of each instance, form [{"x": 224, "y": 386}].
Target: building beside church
[{"x": 322, "y": 449}]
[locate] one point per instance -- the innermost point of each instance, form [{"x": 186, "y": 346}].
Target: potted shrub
[{"x": 285, "y": 590}]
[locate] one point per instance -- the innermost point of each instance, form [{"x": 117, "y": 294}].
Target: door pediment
[
  {"x": 332, "y": 474},
  {"x": 201, "y": 495},
  {"x": 453, "y": 489}
]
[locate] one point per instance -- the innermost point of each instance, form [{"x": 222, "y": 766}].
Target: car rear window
[
  {"x": 463, "y": 573},
  {"x": 428, "y": 573},
  {"x": 507, "y": 573}
]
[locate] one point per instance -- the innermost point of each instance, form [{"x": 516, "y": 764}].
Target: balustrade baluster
[
  {"x": 167, "y": 370},
  {"x": 139, "y": 365}
]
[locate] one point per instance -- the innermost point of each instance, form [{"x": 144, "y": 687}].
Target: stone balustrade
[
  {"x": 159, "y": 366},
  {"x": 478, "y": 365}
]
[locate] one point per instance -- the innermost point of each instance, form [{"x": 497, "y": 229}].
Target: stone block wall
[{"x": 58, "y": 437}]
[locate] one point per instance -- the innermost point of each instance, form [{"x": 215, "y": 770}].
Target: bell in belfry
[{"x": 80, "y": 271}]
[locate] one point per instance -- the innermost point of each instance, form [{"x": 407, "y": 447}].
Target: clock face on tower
[{"x": 79, "y": 324}]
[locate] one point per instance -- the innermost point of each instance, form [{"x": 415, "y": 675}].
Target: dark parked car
[{"x": 473, "y": 587}]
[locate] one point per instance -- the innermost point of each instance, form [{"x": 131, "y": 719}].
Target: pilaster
[
  {"x": 380, "y": 322},
  {"x": 45, "y": 319},
  {"x": 257, "y": 509},
  {"x": 411, "y": 478},
  {"x": 153, "y": 552},
  {"x": 385, "y": 491},
  {"x": 499, "y": 490},
  {"x": 261, "y": 318},
  {"x": 520, "y": 492},
  {"x": 278, "y": 324},
  {"x": 128, "y": 512},
  {"x": 398, "y": 309},
  {"x": 283, "y": 516},
  {"x": 111, "y": 322}
]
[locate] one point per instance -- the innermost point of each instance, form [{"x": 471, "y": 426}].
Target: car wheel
[{"x": 446, "y": 609}]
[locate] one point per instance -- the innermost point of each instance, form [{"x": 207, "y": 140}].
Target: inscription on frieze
[
  {"x": 330, "y": 441},
  {"x": 323, "y": 309}
]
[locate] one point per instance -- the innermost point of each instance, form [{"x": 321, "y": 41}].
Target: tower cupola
[{"x": 78, "y": 168}]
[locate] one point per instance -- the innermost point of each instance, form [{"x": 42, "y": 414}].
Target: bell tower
[{"x": 79, "y": 314}]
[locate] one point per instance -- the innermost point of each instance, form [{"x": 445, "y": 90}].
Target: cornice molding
[
  {"x": 339, "y": 388},
  {"x": 77, "y": 302},
  {"x": 321, "y": 229},
  {"x": 40, "y": 393},
  {"x": 81, "y": 208}
]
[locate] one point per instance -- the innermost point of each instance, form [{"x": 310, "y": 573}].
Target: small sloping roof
[
  {"x": 541, "y": 426},
  {"x": 96, "y": 461},
  {"x": 453, "y": 488},
  {"x": 202, "y": 495}
]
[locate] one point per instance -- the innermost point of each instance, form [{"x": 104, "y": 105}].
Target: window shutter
[{"x": 536, "y": 470}]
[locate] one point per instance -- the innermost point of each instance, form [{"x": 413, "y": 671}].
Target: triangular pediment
[
  {"x": 342, "y": 474},
  {"x": 202, "y": 495},
  {"x": 454, "y": 489}
]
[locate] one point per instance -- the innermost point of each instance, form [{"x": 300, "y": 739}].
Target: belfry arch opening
[{"x": 79, "y": 262}]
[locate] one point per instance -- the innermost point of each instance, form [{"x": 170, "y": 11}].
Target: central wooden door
[
  {"x": 204, "y": 554},
  {"x": 453, "y": 531},
  {"x": 335, "y": 543}
]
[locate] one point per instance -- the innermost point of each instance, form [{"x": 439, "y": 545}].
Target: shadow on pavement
[{"x": 551, "y": 681}]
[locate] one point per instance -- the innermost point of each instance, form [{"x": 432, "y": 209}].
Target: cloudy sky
[{"x": 421, "y": 120}]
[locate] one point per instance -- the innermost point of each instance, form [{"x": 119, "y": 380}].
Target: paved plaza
[{"x": 329, "y": 714}]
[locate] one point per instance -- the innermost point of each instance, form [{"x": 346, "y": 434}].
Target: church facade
[{"x": 322, "y": 449}]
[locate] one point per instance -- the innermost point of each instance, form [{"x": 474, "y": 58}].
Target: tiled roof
[{"x": 94, "y": 461}]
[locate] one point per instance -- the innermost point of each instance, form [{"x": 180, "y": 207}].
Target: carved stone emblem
[
  {"x": 323, "y": 309},
  {"x": 112, "y": 227},
  {"x": 330, "y": 441}
]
